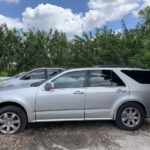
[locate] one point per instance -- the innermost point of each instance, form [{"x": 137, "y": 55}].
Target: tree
[{"x": 22, "y": 51}]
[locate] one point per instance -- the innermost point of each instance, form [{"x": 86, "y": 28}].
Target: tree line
[{"x": 22, "y": 51}]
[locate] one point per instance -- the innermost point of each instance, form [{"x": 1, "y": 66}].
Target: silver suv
[{"x": 96, "y": 93}]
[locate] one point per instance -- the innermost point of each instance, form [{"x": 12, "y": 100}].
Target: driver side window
[{"x": 71, "y": 80}]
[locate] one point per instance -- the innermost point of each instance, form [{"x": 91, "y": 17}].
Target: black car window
[
  {"x": 138, "y": 75},
  {"x": 116, "y": 81}
]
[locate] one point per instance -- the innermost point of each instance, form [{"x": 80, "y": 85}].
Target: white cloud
[
  {"x": 102, "y": 11},
  {"x": 49, "y": 16},
  {"x": 46, "y": 16},
  {"x": 11, "y": 23},
  {"x": 10, "y": 1}
]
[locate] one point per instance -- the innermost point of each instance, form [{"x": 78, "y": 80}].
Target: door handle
[
  {"x": 78, "y": 92},
  {"x": 121, "y": 91}
]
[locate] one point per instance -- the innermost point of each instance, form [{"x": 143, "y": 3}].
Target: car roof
[
  {"x": 48, "y": 68},
  {"x": 108, "y": 68}
]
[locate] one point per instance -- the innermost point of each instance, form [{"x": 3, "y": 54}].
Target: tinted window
[
  {"x": 138, "y": 75},
  {"x": 100, "y": 78},
  {"x": 38, "y": 74},
  {"x": 116, "y": 81},
  {"x": 71, "y": 80}
]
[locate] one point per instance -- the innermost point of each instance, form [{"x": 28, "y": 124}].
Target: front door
[{"x": 65, "y": 101}]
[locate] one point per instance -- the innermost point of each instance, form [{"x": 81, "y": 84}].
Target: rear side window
[
  {"x": 51, "y": 73},
  {"x": 138, "y": 75},
  {"x": 116, "y": 81},
  {"x": 99, "y": 78}
]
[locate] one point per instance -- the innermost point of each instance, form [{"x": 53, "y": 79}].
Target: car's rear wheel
[
  {"x": 130, "y": 116},
  {"x": 12, "y": 120}
]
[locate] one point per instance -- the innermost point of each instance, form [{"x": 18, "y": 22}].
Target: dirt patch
[{"x": 77, "y": 135}]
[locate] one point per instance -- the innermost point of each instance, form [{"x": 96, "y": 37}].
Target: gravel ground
[{"x": 99, "y": 135}]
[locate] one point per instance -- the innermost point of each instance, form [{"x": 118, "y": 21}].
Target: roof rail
[{"x": 116, "y": 66}]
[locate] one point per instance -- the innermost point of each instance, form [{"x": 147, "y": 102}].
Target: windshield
[{"x": 19, "y": 74}]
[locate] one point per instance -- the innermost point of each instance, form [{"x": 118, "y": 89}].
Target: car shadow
[{"x": 71, "y": 125}]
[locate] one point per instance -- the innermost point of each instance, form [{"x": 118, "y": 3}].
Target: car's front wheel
[
  {"x": 12, "y": 120},
  {"x": 130, "y": 116}
]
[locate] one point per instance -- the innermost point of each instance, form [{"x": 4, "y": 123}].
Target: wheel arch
[
  {"x": 141, "y": 104},
  {"x": 9, "y": 103}
]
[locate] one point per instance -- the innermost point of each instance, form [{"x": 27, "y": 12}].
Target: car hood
[
  {"x": 8, "y": 82},
  {"x": 9, "y": 88},
  {"x": 10, "y": 92},
  {"x": 5, "y": 78}
]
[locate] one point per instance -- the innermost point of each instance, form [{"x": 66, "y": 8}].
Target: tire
[
  {"x": 128, "y": 122},
  {"x": 12, "y": 118}
]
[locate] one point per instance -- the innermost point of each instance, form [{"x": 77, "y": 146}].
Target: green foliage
[{"x": 21, "y": 51}]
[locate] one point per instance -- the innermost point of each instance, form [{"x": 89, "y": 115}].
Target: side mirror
[{"x": 49, "y": 86}]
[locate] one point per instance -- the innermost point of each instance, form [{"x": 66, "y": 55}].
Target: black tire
[
  {"x": 19, "y": 112},
  {"x": 123, "y": 107}
]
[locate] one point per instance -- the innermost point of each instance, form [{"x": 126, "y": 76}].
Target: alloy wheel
[{"x": 9, "y": 123}]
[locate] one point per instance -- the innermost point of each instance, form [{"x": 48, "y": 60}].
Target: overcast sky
[{"x": 70, "y": 16}]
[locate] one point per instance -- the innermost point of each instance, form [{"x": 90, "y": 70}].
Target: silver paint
[{"x": 88, "y": 103}]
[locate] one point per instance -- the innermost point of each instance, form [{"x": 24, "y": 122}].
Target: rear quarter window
[{"x": 138, "y": 75}]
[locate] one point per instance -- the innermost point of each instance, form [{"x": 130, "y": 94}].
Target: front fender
[{"x": 28, "y": 107}]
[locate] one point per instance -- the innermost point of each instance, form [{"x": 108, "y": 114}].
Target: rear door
[{"x": 104, "y": 89}]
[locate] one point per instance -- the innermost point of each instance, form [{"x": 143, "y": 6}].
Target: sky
[{"x": 70, "y": 16}]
